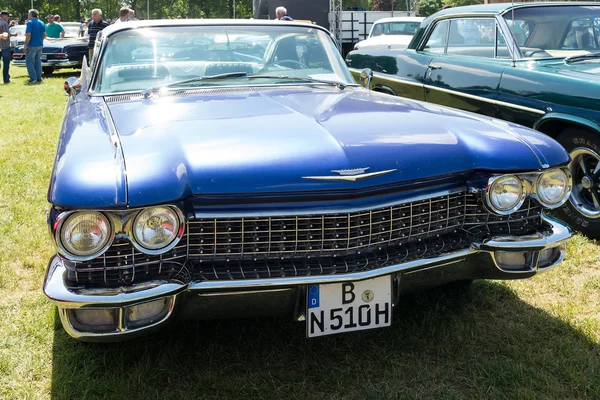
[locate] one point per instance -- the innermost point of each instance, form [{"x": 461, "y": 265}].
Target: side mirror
[
  {"x": 72, "y": 86},
  {"x": 365, "y": 77}
]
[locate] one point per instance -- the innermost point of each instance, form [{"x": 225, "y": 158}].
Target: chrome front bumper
[
  {"x": 50, "y": 63},
  {"x": 480, "y": 261}
]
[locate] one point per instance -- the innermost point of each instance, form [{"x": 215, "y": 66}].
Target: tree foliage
[
  {"x": 74, "y": 10},
  {"x": 428, "y": 7}
]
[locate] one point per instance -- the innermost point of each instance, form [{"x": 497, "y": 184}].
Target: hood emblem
[{"x": 354, "y": 174}]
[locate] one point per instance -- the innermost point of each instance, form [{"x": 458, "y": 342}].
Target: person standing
[
  {"x": 94, "y": 27},
  {"x": 123, "y": 15},
  {"x": 5, "y": 44},
  {"x": 281, "y": 14},
  {"x": 35, "y": 33},
  {"x": 54, "y": 30},
  {"x": 131, "y": 14}
]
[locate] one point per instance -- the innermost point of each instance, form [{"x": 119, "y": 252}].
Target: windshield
[
  {"x": 556, "y": 31},
  {"x": 407, "y": 28},
  {"x": 136, "y": 60}
]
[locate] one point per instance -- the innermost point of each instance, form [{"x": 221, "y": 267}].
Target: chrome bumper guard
[{"x": 120, "y": 298}]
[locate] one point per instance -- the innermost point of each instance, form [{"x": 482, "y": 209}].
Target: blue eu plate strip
[{"x": 313, "y": 296}]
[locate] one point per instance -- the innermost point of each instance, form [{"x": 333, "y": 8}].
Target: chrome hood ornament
[{"x": 352, "y": 175}]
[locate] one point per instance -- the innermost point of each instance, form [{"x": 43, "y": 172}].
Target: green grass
[{"x": 537, "y": 338}]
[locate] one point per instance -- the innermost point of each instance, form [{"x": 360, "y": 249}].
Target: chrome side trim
[{"x": 486, "y": 100}]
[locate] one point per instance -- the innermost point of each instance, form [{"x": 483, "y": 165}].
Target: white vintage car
[{"x": 390, "y": 33}]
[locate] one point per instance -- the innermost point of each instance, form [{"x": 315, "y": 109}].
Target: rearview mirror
[
  {"x": 72, "y": 86},
  {"x": 365, "y": 77}
]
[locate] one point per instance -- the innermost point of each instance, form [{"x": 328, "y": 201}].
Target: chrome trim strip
[
  {"x": 119, "y": 155},
  {"x": 561, "y": 232},
  {"x": 56, "y": 290},
  {"x": 486, "y": 100},
  {"x": 350, "y": 178},
  {"x": 399, "y": 80}
]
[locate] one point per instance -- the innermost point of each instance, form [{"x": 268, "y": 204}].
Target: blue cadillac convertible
[{"x": 210, "y": 169}]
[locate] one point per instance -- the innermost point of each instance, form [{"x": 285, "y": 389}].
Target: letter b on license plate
[{"x": 349, "y": 306}]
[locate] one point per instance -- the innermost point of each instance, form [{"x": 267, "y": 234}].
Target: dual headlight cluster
[
  {"x": 505, "y": 194},
  {"x": 84, "y": 235}
]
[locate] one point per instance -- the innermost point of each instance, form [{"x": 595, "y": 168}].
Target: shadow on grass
[
  {"x": 64, "y": 74},
  {"x": 442, "y": 344}
]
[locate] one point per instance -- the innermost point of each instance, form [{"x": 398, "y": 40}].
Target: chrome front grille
[
  {"x": 326, "y": 234},
  {"x": 300, "y": 245}
]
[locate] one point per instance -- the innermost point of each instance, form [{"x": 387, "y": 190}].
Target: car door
[{"x": 466, "y": 72}]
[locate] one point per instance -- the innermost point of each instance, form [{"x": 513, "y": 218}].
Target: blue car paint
[{"x": 252, "y": 142}]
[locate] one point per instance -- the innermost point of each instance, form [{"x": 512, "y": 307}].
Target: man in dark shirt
[
  {"x": 35, "y": 33},
  {"x": 94, "y": 27}
]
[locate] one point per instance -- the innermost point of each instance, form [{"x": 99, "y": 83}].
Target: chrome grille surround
[{"x": 225, "y": 248}]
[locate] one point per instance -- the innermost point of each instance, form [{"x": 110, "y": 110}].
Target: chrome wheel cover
[{"x": 585, "y": 169}]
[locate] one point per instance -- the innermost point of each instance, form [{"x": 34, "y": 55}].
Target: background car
[
  {"x": 18, "y": 40},
  {"x": 67, "y": 52},
  {"x": 390, "y": 33},
  {"x": 199, "y": 177},
  {"x": 537, "y": 67}
]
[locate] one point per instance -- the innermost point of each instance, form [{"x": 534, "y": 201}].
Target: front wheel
[
  {"x": 47, "y": 70},
  {"x": 582, "y": 210}
]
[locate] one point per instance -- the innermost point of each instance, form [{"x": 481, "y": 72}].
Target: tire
[
  {"x": 582, "y": 211},
  {"x": 47, "y": 70}
]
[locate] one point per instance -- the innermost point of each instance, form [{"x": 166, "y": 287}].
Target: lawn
[{"x": 538, "y": 338}]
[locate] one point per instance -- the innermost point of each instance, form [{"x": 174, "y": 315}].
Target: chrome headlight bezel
[
  {"x": 566, "y": 195},
  {"x": 58, "y": 235},
  {"x": 138, "y": 243},
  {"x": 488, "y": 192}
]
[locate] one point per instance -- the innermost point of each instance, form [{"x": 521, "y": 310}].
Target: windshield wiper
[
  {"x": 582, "y": 57},
  {"x": 146, "y": 93},
  {"x": 339, "y": 85}
]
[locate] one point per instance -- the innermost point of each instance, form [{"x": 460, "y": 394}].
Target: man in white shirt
[{"x": 123, "y": 15}]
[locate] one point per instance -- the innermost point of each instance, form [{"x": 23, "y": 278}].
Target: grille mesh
[{"x": 246, "y": 248}]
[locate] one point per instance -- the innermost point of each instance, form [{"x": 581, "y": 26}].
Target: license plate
[
  {"x": 349, "y": 306},
  {"x": 44, "y": 58}
]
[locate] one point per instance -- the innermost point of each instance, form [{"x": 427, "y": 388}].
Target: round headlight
[
  {"x": 505, "y": 194},
  {"x": 85, "y": 234},
  {"x": 553, "y": 187},
  {"x": 156, "y": 228}
]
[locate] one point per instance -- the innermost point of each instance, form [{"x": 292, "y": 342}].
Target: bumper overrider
[{"x": 110, "y": 314}]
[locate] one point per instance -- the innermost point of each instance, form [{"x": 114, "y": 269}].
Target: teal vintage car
[{"x": 534, "y": 64}]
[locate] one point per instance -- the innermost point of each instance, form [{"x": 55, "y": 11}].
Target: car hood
[{"x": 271, "y": 141}]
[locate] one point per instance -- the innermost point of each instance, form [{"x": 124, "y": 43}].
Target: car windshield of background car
[
  {"x": 136, "y": 60},
  {"x": 556, "y": 31},
  {"x": 395, "y": 28}
]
